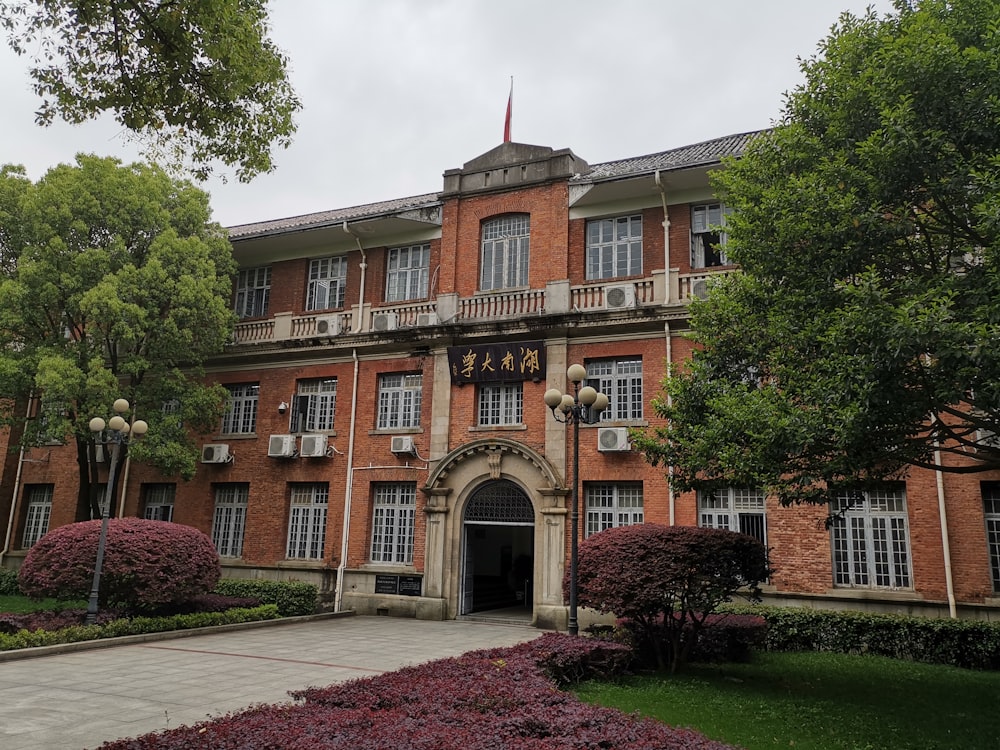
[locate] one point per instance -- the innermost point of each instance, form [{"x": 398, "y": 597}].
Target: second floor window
[
  {"x": 158, "y": 502},
  {"x": 253, "y": 292},
  {"x": 708, "y": 240},
  {"x": 621, "y": 381},
  {"x": 505, "y": 252},
  {"x": 241, "y": 411},
  {"x": 314, "y": 405},
  {"x": 399, "y": 397},
  {"x": 610, "y": 505},
  {"x": 501, "y": 404},
  {"x": 614, "y": 247},
  {"x": 327, "y": 281},
  {"x": 407, "y": 272}
]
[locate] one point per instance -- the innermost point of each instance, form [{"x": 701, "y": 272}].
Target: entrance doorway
[{"x": 498, "y": 544}]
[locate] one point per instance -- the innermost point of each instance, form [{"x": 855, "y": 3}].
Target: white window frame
[
  {"x": 158, "y": 501},
  {"x": 393, "y": 512},
  {"x": 327, "y": 283},
  {"x": 613, "y": 504},
  {"x": 870, "y": 540},
  {"x": 735, "y": 509},
  {"x": 707, "y": 230},
  {"x": 614, "y": 247},
  {"x": 307, "y": 521},
  {"x": 407, "y": 271},
  {"x": 241, "y": 409},
  {"x": 991, "y": 511},
  {"x": 37, "y": 515},
  {"x": 500, "y": 404},
  {"x": 229, "y": 518},
  {"x": 506, "y": 243},
  {"x": 314, "y": 406},
  {"x": 253, "y": 292},
  {"x": 620, "y": 379},
  {"x": 399, "y": 400}
]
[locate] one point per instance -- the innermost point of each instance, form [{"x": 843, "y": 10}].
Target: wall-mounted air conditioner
[
  {"x": 619, "y": 296},
  {"x": 386, "y": 321},
  {"x": 612, "y": 439},
  {"x": 313, "y": 446},
  {"x": 403, "y": 445},
  {"x": 281, "y": 446},
  {"x": 216, "y": 453},
  {"x": 328, "y": 325},
  {"x": 427, "y": 319}
]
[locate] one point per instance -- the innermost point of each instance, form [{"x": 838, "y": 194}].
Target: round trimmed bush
[{"x": 147, "y": 564}]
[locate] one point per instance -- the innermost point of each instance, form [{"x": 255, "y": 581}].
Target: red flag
[{"x": 506, "y": 122}]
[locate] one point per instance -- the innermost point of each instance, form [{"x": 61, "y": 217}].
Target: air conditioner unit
[
  {"x": 328, "y": 325},
  {"x": 313, "y": 446},
  {"x": 403, "y": 445},
  {"x": 427, "y": 319},
  {"x": 216, "y": 453},
  {"x": 387, "y": 321},
  {"x": 281, "y": 446},
  {"x": 619, "y": 296},
  {"x": 612, "y": 439},
  {"x": 699, "y": 289}
]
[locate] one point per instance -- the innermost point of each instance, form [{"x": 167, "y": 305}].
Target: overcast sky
[{"x": 397, "y": 91}]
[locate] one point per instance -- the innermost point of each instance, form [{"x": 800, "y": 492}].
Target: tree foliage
[
  {"x": 113, "y": 283},
  {"x": 147, "y": 564},
  {"x": 667, "y": 579},
  {"x": 201, "y": 80},
  {"x": 860, "y": 336}
]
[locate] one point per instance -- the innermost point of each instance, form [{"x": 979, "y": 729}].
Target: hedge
[{"x": 292, "y": 598}]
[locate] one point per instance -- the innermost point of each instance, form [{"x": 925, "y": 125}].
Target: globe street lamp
[
  {"x": 121, "y": 433},
  {"x": 582, "y": 406}
]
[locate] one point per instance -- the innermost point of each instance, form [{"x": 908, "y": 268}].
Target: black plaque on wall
[
  {"x": 386, "y": 584},
  {"x": 410, "y": 585}
]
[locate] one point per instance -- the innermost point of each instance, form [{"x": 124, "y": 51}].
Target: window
[
  {"x": 307, "y": 521},
  {"x": 505, "y": 252},
  {"x": 158, "y": 501},
  {"x": 327, "y": 278},
  {"x": 399, "y": 397},
  {"x": 392, "y": 523},
  {"x": 501, "y": 404},
  {"x": 735, "y": 509},
  {"x": 241, "y": 411},
  {"x": 314, "y": 405},
  {"x": 708, "y": 241},
  {"x": 230, "y": 519},
  {"x": 612, "y": 505},
  {"x": 36, "y": 522},
  {"x": 406, "y": 273},
  {"x": 869, "y": 538},
  {"x": 991, "y": 502},
  {"x": 614, "y": 247},
  {"x": 621, "y": 381},
  {"x": 253, "y": 292}
]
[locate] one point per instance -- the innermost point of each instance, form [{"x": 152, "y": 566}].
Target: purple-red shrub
[
  {"x": 666, "y": 580},
  {"x": 147, "y": 564}
]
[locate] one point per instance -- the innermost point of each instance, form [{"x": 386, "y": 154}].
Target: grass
[
  {"x": 819, "y": 701},
  {"x": 21, "y": 604}
]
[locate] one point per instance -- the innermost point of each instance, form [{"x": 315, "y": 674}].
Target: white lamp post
[
  {"x": 583, "y": 405},
  {"x": 121, "y": 434}
]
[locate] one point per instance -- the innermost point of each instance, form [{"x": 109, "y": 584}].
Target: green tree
[
  {"x": 861, "y": 335},
  {"x": 195, "y": 81},
  {"x": 114, "y": 283}
]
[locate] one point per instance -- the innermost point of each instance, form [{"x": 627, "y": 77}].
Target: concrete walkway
[{"x": 77, "y": 700}]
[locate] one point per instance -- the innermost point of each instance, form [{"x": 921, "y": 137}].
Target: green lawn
[
  {"x": 820, "y": 701},
  {"x": 21, "y": 604}
]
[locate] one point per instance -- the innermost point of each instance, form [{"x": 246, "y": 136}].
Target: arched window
[{"x": 505, "y": 252}]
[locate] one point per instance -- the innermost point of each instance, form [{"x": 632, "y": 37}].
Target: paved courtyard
[{"x": 78, "y": 700}]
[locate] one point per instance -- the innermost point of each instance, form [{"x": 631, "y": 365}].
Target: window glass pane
[{"x": 505, "y": 249}]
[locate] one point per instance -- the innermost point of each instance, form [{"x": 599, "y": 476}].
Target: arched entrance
[{"x": 498, "y": 542}]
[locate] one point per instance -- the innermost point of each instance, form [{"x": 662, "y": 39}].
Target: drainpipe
[
  {"x": 671, "y": 499},
  {"x": 361, "y": 294},
  {"x": 945, "y": 543},
  {"x": 338, "y": 596},
  {"x": 666, "y": 237},
  {"x": 13, "y": 497}
]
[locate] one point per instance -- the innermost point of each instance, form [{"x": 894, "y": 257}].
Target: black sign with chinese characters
[
  {"x": 404, "y": 585},
  {"x": 491, "y": 363}
]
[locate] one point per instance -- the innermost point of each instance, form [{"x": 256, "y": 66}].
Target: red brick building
[{"x": 387, "y": 438}]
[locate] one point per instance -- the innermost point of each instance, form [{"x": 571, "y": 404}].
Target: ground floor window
[
  {"x": 612, "y": 504},
  {"x": 158, "y": 502},
  {"x": 501, "y": 404},
  {"x": 735, "y": 509},
  {"x": 394, "y": 509},
  {"x": 307, "y": 521},
  {"x": 229, "y": 520},
  {"x": 36, "y": 522},
  {"x": 991, "y": 506},
  {"x": 870, "y": 539}
]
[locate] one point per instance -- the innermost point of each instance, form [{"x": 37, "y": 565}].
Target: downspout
[
  {"x": 945, "y": 543},
  {"x": 666, "y": 237},
  {"x": 361, "y": 294},
  {"x": 671, "y": 499},
  {"x": 338, "y": 597},
  {"x": 13, "y": 497}
]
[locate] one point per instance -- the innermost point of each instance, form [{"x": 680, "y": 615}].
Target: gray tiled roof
[{"x": 706, "y": 152}]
